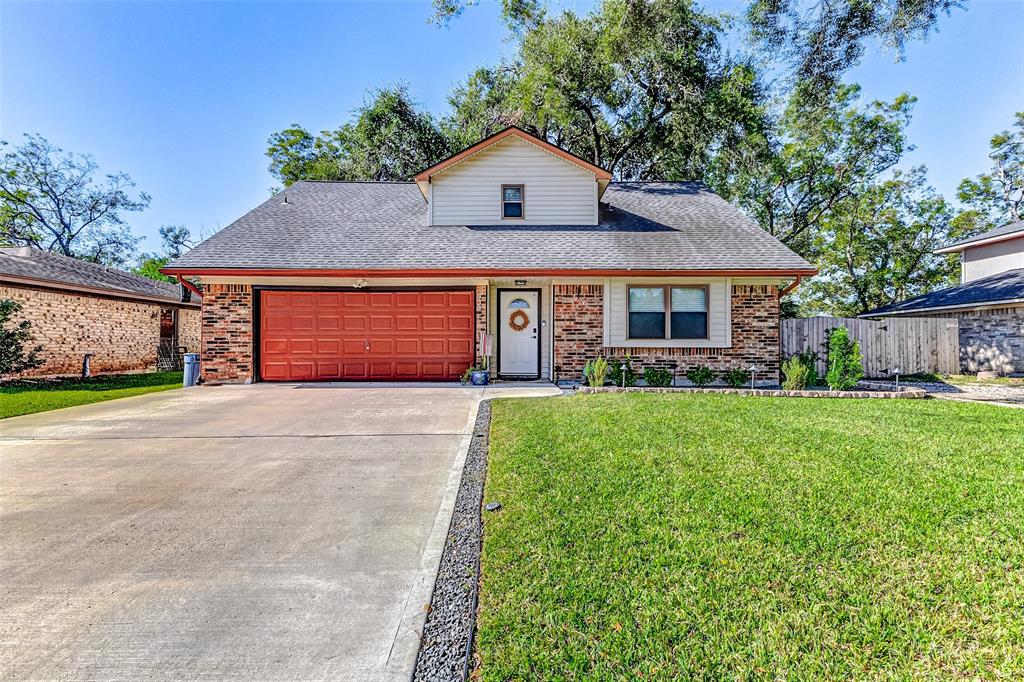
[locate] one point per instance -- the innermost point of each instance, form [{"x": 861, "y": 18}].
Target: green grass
[
  {"x": 725, "y": 537},
  {"x": 27, "y": 397}
]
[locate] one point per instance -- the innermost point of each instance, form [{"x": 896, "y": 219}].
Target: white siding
[
  {"x": 719, "y": 313},
  {"x": 991, "y": 259},
  {"x": 556, "y": 192}
]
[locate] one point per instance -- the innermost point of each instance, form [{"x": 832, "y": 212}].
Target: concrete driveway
[{"x": 260, "y": 532}]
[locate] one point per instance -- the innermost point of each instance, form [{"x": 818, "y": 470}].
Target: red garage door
[{"x": 365, "y": 335}]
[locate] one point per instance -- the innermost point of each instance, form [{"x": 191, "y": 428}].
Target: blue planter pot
[{"x": 480, "y": 378}]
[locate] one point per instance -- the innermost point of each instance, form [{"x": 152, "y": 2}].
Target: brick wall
[
  {"x": 481, "y": 321},
  {"x": 121, "y": 335},
  {"x": 579, "y": 320},
  {"x": 992, "y": 340},
  {"x": 227, "y": 352},
  {"x": 578, "y": 311},
  {"x": 189, "y": 329}
]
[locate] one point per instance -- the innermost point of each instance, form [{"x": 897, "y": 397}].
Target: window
[
  {"x": 512, "y": 201},
  {"x": 518, "y": 303},
  {"x": 668, "y": 312}
]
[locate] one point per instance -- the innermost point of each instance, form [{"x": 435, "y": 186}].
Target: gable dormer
[{"x": 513, "y": 178}]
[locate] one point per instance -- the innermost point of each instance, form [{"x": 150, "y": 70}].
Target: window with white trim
[
  {"x": 667, "y": 312},
  {"x": 512, "y": 201}
]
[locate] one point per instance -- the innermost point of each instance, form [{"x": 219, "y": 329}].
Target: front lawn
[
  {"x": 26, "y": 397},
  {"x": 649, "y": 536}
]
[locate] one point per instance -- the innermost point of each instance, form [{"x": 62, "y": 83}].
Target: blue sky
[{"x": 183, "y": 95}]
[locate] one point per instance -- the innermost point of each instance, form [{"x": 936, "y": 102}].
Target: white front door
[{"x": 519, "y": 335}]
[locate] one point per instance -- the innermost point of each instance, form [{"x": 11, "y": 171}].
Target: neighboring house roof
[
  {"x": 423, "y": 177},
  {"x": 999, "y": 289},
  {"x": 1011, "y": 231},
  {"x": 376, "y": 228},
  {"x": 34, "y": 267}
]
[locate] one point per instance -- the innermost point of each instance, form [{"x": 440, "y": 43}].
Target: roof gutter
[
  {"x": 957, "y": 248},
  {"x": 89, "y": 291},
  {"x": 481, "y": 272},
  {"x": 949, "y": 308}
]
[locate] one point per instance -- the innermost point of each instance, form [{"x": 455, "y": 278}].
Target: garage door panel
[
  {"x": 460, "y": 322},
  {"x": 330, "y": 347},
  {"x": 407, "y": 322},
  {"x": 366, "y": 335},
  {"x": 328, "y": 322},
  {"x": 408, "y": 347},
  {"x": 355, "y": 322},
  {"x": 328, "y": 370},
  {"x": 353, "y": 347},
  {"x": 460, "y": 299}
]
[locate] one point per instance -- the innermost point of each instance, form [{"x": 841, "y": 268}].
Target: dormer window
[{"x": 512, "y": 201}]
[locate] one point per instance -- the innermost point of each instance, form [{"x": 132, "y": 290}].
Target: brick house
[
  {"x": 988, "y": 303},
  {"x": 124, "y": 321},
  {"x": 513, "y": 249}
]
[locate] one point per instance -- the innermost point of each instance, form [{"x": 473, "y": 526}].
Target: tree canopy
[
  {"x": 647, "y": 90},
  {"x": 50, "y": 200}
]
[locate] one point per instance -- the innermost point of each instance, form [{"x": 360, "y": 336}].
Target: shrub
[
  {"x": 596, "y": 371},
  {"x": 844, "y": 360},
  {"x": 619, "y": 376},
  {"x": 736, "y": 377},
  {"x": 13, "y": 356},
  {"x": 701, "y": 375},
  {"x": 796, "y": 374},
  {"x": 809, "y": 359},
  {"x": 656, "y": 376}
]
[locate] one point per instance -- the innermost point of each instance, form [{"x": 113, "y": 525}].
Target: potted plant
[{"x": 477, "y": 375}]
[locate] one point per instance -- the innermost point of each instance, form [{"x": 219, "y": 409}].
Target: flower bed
[{"x": 903, "y": 392}]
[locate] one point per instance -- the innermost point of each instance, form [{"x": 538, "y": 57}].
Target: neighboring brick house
[
  {"x": 988, "y": 305},
  {"x": 512, "y": 248},
  {"x": 124, "y": 321}
]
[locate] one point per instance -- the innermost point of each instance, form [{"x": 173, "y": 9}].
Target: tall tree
[
  {"x": 822, "y": 40},
  {"x": 877, "y": 246},
  {"x": 815, "y": 158},
  {"x": 175, "y": 240},
  {"x": 642, "y": 89},
  {"x": 50, "y": 200},
  {"x": 997, "y": 197},
  {"x": 390, "y": 139}
]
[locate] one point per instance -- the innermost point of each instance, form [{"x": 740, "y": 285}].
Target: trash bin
[{"x": 191, "y": 374}]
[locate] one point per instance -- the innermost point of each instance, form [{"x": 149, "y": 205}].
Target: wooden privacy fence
[{"x": 912, "y": 344}]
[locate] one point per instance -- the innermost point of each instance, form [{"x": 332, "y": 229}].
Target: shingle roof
[
  {"x": 991, "y": 290},
  {"x": 351, "y": 225},
  {"x": 24, "y": 263},
  {"x": 1003, "y": 231}
]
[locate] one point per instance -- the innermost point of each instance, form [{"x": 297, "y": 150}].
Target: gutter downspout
[
  {"x": 792, "y": 285},
  {"x": 188, "y": 285}
]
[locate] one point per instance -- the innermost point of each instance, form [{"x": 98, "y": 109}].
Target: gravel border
[{"x": 446, "y": 645}]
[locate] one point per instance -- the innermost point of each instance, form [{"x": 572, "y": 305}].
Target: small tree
[
  {"x": 13, "y": 358},
  {"x": 845, "y": 368}
]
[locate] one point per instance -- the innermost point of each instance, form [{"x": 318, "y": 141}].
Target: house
[
  {"x": 514, "y": 249},
  {"x": 123, "y": 321},
  {"x": 989, "y": 304}
]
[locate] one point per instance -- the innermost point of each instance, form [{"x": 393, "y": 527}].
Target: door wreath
[{"x": 518, "y": 320}]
